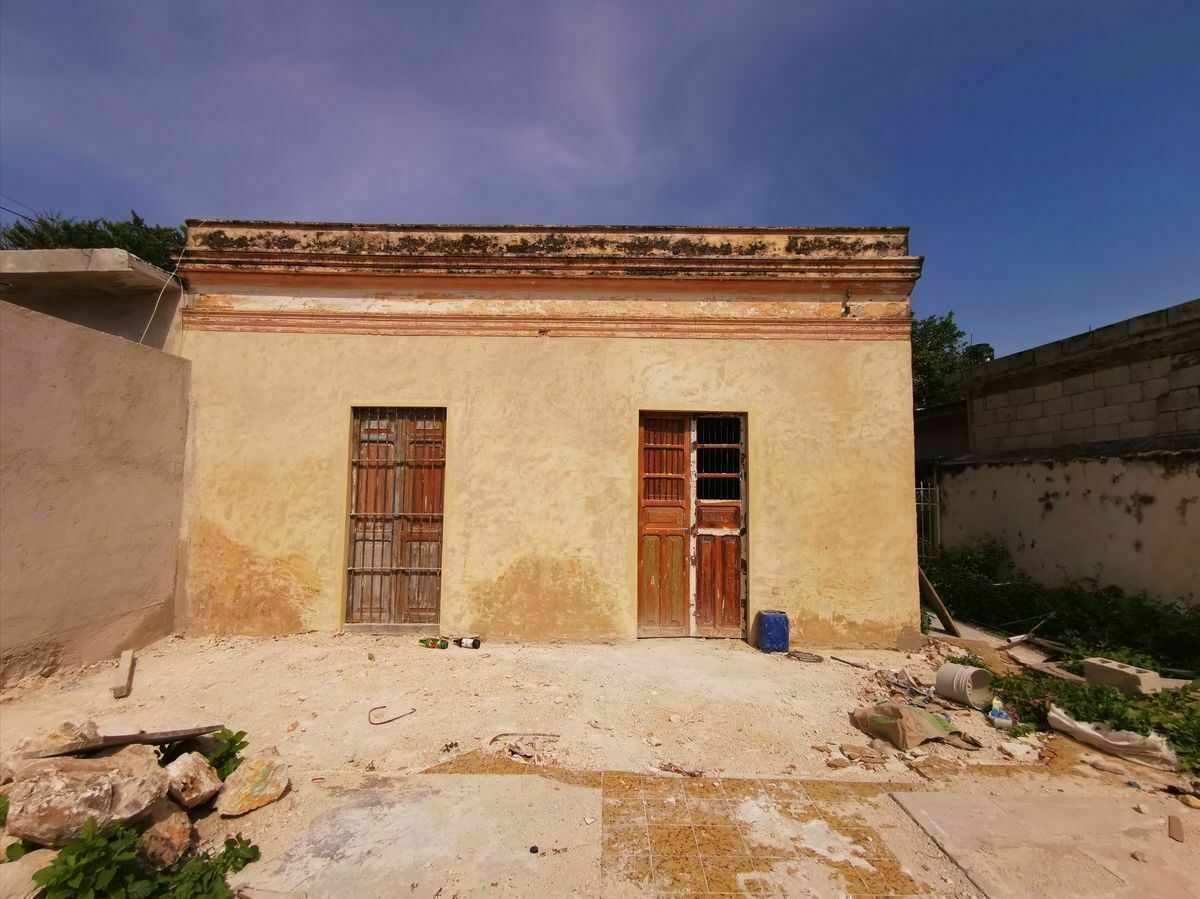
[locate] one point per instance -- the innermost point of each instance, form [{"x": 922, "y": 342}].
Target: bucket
[{"x": 965, "y": 684}]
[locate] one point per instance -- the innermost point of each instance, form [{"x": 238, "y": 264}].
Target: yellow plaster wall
[{"x": 541, "y": 476}]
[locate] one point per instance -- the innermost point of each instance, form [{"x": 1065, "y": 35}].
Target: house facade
[{"x": 548, "y": 433}]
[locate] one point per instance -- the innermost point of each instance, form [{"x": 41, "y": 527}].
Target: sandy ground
[{"x": 356, "y": 814}]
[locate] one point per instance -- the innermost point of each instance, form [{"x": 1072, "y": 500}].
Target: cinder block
[
  {"x": 1129, "y": 679},
  {"x": 1020, "y": 428},
  {"x": 1082, "y": 419},
  {"x": 1005, "y": 413},
  {"x": 1112, "y": 415},
  {"x": 984, "y": 445},
  {"x": 1029, "y": 410},
  {"x": 977, "y": 404},
  {"x": 1079, "y": 383},
  {"x": 1143, "y": 411},
  {"x": 1165, "y": 423},
  {"x": 1149, "y": 368},
  {"x": 1089, "y": 399},
  {"x": 996, "y": 400},
  {"x": 1040, "y": 441},
  {"x": 1112, "y": 377},
  {"x": 1057, "y": 406},
  {"x": 1184, "y": 377},
  {"x": 1126, "y": 393},
  {"x": 1020, "y": 396},
  {"x": 1131, "y": 429},
  {"x": 985, "y": 417},
  {"x": 1154, "y": 387},
  {"x": 1187, "y": 398},
  {"x": 1102, "y": 432},
  {"x": 1188, "y": 419},
  {"x": 1050, "y": 391},
  {"x": 1048, "y": 424},
  {"x": 994, "y": 431},
  {"x": 1012, "y": 443},
  {"x": 1067, "y": 437}
]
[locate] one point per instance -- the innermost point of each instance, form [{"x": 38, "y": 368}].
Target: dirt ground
[{"x": 430, "y": 801}]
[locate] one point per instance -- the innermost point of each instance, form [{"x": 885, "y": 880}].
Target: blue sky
[{"x": 1046, "y": 155}]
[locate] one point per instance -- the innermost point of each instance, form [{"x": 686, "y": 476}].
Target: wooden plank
[
  {"x": 154, "y": 738},
  {"x": 123, "y": 679},
  {"x": 930, "y": 596}
]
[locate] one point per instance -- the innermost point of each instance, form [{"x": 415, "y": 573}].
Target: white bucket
[{"x": 965, "y": 684}]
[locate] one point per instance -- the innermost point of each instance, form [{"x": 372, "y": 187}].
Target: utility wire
[
  {"x": 19, "y": 214},
  {"x": 19, "y": 203},
  {"x": 170, "y": 278}
]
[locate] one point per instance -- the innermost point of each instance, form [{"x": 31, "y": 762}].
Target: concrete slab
[
  {"x": 427, "y": 836},
  {"x": 1059, "y": 847}
]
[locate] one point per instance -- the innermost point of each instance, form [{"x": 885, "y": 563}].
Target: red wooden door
[
  {"x": 720, "y": 517},
  {"x": 663, "y": 509},
  {"x": 397, "y": 486}
]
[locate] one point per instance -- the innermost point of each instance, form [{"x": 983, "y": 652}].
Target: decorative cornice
[
  {"x": 406, "y": 324},
  {"x": 871, "y": 254}
]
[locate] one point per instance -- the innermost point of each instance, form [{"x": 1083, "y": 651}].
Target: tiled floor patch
[{"x": 728, "y": 836}]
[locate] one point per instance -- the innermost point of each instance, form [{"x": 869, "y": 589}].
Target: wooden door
[
  {"x": 720, "y": 459},
  {"x": 691, "y": 525},
  {"x": 663, "y": 509},
  {"x": 397, "y": 489}
]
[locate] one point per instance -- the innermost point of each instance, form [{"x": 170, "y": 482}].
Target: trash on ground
[
  {"x": 801, "y": 656},
  {"x": 468, "y": 642},
  {"x": 372, "y": 718},
  {"x": 1153, "y": 750},
  {"x": 905, "y": 726},
  {"x": 672, "y": 768},
  {"x": 965, "y": 684}
]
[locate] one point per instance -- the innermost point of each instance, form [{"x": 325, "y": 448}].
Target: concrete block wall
[{"x": 1134, "y": 380}]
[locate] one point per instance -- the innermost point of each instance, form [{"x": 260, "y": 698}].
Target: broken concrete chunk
[
  {"x": 167, "y": 837},
  {"x": 16, "y": 878},
  {"x": 53, "y": 798},
  {"x": 193, "y": 780},
  {"x": 123, "y": 678},
  {"x": 258, "y": 781}
]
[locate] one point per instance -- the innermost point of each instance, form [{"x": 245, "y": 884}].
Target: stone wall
[
  {"x": 91, "y": 492},
  {"x": 1133, "y": 380}
]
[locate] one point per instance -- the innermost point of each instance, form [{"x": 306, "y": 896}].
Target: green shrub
[
  {"x": 227, "y": 755},
  {"x": 1028, "y": 696},
  {"x": 103, "y": 864},
  {"x": 979, "y": 583}
]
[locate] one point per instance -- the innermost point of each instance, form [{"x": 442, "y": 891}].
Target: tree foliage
[
  {"x": 157, "y": 244},
  {"x": 939, "y": 350}
]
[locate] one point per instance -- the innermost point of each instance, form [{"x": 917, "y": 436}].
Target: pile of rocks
[{"x": 51, "y": 799}]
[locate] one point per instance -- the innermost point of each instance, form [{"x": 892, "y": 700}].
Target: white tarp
[{"x": 1152, "y": 751}]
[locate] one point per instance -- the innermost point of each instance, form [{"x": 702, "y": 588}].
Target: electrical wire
[
  {"x": 162, "y": 290},
  {"x": 19, "y": 214},
  {"x": 19, "y": 203}
]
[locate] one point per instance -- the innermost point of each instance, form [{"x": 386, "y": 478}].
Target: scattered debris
[
  {"x": 672, "y": 768},
  {"x": 450, "y": 747},
  {"x": 1139, "y": 856},
  {"x": 106, "y": 741},
  {"x": 256, "y": 782},
  {"x": 1153, "y": 751},
  {"x": 1175, "y": 828},
  {"x": 123, "y": 679},
  {"x": 821, "y": 747},
  {"x": 1104, "y": 765},
  {"x": 1141, "y": 809},
  {"x": 652, "y": 740},
  {"x": 964, "y": 684},
  {"x": 291, "y": 727},
  {"x": 530, "y": 747},
  {"x": 851, "y": 664},
  {"x": 434, "y": 642},
  {"x": 905, "y": 726},
  {"x": 372, "y": 720},
  {"x": 193, "y": 780},
  {"x": 801, "y": 656},
  {"x": 837, "y": 762},
  {"x": 589, "y": 821}
]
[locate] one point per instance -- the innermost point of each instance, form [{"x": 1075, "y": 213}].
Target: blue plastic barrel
[{"x": 772, "y": 630}]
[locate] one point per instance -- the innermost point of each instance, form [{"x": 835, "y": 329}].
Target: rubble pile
[{"x": 53, "y": 789}]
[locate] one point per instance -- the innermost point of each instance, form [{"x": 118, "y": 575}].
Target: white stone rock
[{"x": 193, "y": 780}]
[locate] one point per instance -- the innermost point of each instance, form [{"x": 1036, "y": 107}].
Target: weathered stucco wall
[
  {"x": 91, "y": 475},
  {"x": 1133, "y": 522},
  {"x": 541, "y": 475}
]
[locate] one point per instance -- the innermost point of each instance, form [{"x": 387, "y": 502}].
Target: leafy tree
[
  {"x": 157, "y": 244},
  {"x": 939, "y": 350}
]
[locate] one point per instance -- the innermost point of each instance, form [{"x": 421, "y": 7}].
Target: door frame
[{"x": 693, "y": 630}]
